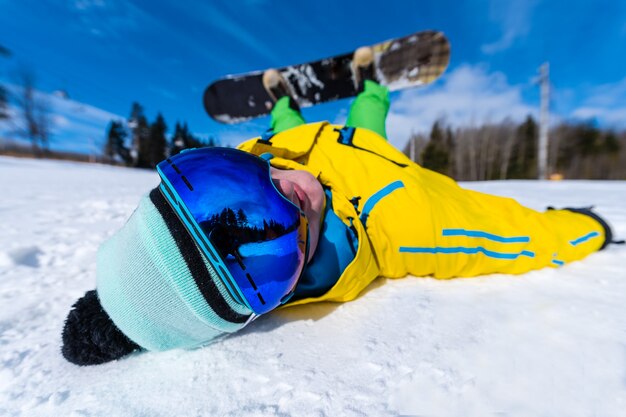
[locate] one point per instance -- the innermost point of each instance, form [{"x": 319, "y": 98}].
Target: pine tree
[
  {"x": 115, "y": 143},
  {"x": 183, "y": 139},
  {"x": 4, "y": 95},
  {"x": 140, "y": 150},
  {"x": 4, "y": 106},
  {"x": 177, "y": 143},
  {"x": 157, "y": 143},
  {"x": 450, "y": 149},
  {"x": 589, "y": 140},
  {"x": 524, "y": 155},
  {"x": 190, "y": 140},
  {"x": 611, "y": 145},
  {"x": 436, "y": 155},
  {"x": 111, "y": 141}
]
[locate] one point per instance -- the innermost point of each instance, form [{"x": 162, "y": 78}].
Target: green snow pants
[{"x": 368, "y": 110}]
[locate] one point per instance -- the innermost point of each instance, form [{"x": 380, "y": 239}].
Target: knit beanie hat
[{"x": 157, "y": 288}]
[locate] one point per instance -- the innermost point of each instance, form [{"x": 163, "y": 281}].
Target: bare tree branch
[{"x": 34, "y": 112}]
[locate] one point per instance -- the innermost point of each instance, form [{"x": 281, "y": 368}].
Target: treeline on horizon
[
  {"x": 141, "y": 144},
  {"x": 509, "y": 150},
  {"x": 491, "y": 151},
  {"x": 135, "y": 142}
]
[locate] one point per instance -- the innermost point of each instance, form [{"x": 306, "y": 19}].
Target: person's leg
[
  {"x": 369, "y": 109},
  {"x": 284, "y": 116}
]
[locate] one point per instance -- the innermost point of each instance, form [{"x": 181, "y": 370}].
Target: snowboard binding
[
  {"x": 277, "y": 88},
  {"x": 363, "y": 67}
]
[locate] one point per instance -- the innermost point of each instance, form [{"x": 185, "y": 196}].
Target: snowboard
[{"x": 410, "y": 61}]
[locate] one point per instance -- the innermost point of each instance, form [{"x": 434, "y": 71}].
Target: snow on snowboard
[{"x": 410, "y": 61}]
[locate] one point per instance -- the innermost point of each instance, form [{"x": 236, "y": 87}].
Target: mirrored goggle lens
[{"x": 255, "y": 237}]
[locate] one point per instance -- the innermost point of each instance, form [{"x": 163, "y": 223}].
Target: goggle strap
[{"x": 195, "y": 262}]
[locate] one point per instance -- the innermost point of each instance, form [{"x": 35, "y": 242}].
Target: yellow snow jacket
[{"x": 410, "y": 220}]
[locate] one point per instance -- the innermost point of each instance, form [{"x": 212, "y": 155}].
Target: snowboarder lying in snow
[{"x": 317, "y": 215}]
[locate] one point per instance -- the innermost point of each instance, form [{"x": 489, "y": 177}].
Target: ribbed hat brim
[{"x": 158, "y": 287}]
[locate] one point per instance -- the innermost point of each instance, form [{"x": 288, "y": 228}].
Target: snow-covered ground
[{"x": 548, "y": 343}]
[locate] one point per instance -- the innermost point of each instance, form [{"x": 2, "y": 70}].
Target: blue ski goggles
[{"x": 255, "y": 237}]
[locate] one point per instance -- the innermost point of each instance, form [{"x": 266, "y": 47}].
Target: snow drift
[{"x": 551, "y": 342}]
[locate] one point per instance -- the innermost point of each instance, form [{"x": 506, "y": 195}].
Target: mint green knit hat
[{"x": 157, "y": 286}]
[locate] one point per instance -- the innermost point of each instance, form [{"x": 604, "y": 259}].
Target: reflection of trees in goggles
[{"x": 229, "y": 230}]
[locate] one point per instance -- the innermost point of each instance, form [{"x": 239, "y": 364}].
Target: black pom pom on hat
[{"x": 90, "y": 337}]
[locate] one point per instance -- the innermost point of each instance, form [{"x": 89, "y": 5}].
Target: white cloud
[
  {"x": 219, "y": 19},
  {"x": 60, "y": 121},
  {"x": 114, "y": 18},
  {"x": 605, "y": 103},
  {"x": 234, "y": 137},
  {"x": 88, "y": 4},
  {"x": 163, "y": 92},
  {"x": 468, "y": 95},
  {"x": 341, "y": 117},
  {"x": 514, "y": 18},
  {"x": 608, "y": 95},
  {"x": 75, "y": 126},
  {"x": 613, "y": 117},
  {"x": 109, "y": 18}
]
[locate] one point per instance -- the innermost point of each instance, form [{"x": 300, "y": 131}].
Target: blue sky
[{"x": 108, "y": 53}]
